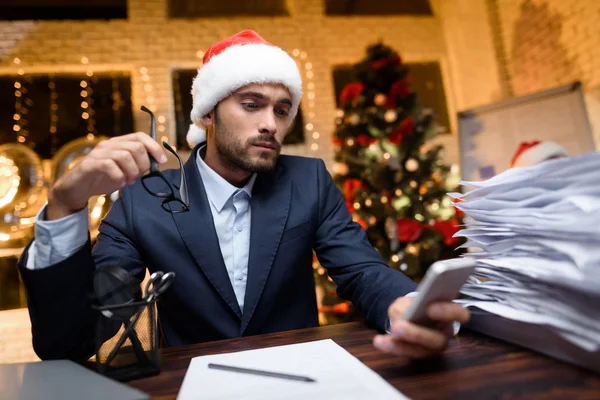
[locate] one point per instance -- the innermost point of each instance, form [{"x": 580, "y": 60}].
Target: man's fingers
[
  {"x": 431, "y": 339},
  {"x": 387, "y": 344},
  {"x": 139, "y": 154},
  {"x": 152, "y": 146},
  {"x": 448, "y": 312}
]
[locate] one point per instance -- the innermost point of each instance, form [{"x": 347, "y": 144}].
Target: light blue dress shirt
[{"x": 57, "y": 240}]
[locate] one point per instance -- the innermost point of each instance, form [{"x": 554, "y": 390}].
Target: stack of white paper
[{"x": 536, "y": 234}]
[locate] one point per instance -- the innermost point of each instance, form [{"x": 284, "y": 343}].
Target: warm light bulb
[{"x": 314, "y": 147}]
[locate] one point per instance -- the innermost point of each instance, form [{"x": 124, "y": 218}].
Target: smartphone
[{"x": 442, "y": 282}]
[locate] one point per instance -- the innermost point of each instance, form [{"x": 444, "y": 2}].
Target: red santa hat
[
  {"x": 235, "y": 62},
  {"x": 531, "y": 153}
]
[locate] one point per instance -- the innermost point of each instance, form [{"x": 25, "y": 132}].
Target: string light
[
  {"x": 87, "y": 101},
  {"x": 302, "y": 59},
  {"x": 53, "y": 114},
  {"x": 395, "y": 258},
  {"x": 20, "y": 121},
  {"x": 117, "y": 105},
  {"x": 150, "y": 100}
]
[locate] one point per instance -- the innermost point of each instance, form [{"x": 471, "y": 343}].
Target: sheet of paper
[{"x": 338, "y": 375}]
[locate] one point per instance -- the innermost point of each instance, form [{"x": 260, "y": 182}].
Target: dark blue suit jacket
[{"x": 295, "y": 209}]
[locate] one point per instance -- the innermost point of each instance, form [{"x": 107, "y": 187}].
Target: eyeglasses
[{"x": 157, "y": 185}]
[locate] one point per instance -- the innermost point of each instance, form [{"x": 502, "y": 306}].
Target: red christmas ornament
[
  {"x": 408, "y": 229},
  {"x": 407, "y": 126},
  {"x": 350, "y": 92},
  {"x": 365, "y": 140},
  {"x": 337, "y": 141},
  {"x": 362, "y": 223},
  {"x": 396, "y": 137},
  {"x": 447, "y": 229},
  {"x": 350, "y": 187},
  {"x": 398, "y": 90}
]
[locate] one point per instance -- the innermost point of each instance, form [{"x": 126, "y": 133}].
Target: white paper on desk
[{"x": 337, "y": 372}]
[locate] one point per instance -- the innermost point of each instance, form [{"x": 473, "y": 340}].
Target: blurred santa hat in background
[{"x": 531, "y": 153}]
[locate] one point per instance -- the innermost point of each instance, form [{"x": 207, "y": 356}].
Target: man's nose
[{"x": 267, "y": 123}]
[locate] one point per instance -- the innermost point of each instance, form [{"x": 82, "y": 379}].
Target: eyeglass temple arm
[
  {"x": 183, "y": 191},
  {"x": 153, "y": 163}
]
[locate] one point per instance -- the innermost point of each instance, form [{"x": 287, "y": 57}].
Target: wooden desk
[{"x": 473, "y": 367}]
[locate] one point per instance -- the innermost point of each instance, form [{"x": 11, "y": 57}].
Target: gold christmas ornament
[
  {"x": 411, "y": 165},
  {"x": 390, "y": 116},
  {"x": 354, "y": 119},
  {"x": 380, "y": 99},
  {"x": 340, "y": 169}
]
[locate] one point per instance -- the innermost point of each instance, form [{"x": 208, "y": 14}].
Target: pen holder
[{"x": 132, "y": 349}]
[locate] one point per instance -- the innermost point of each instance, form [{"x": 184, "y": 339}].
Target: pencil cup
[{"x": 132, "y": 349}]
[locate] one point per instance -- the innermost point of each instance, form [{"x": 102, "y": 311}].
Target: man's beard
[{"x": 236, "y": 154}]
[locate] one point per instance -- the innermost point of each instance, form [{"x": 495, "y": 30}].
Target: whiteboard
[{"x": 490, "y": 135}]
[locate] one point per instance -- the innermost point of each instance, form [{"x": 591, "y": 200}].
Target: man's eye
[
  {"x": 281, "y": 112},
  {"x": 250, "y": 105}
]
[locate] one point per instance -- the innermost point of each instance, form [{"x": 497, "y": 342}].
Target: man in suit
[{"x": 242, "y": 253}]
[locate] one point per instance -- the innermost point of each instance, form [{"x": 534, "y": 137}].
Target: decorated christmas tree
[{"x": 392, "y": 178}]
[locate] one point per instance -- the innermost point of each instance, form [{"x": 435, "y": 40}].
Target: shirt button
[
  {"x": 44, "y": 240},
  {"x": 240, "y": 278},
  {"x": 240, "y": 228}
]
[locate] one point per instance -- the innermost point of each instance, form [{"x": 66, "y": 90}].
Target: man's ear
[{"x": 208, "y": 119}]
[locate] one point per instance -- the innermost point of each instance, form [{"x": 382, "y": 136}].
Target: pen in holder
[{"x": 127, "y": 330}]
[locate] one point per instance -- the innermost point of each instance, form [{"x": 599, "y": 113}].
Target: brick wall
[
  {"x": 548, "y": 43},
  {"x": 150, "y": 44},
  {"x": 148, "y": 39}
]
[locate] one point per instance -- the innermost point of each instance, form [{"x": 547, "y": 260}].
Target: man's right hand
[{"x": 110, "y": 166}]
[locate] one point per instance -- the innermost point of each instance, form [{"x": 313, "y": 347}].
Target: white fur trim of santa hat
[
  {"x": 235, "y": 67},
  {"x": 540, "y": 152}
]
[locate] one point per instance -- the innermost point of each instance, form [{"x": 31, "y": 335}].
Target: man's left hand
[{"x": 413, "y": 341}]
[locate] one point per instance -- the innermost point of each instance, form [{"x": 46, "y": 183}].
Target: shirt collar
[{"x": 217, "y": 188}]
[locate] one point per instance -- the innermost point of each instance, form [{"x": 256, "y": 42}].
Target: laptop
[{"x": 60, "y": 380}]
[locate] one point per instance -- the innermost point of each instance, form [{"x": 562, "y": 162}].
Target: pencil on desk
[{"x": 261, "y": 373}]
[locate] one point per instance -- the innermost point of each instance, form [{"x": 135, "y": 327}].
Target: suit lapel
[
  {"x": 197, "y": 230},
  {"x": 270, "y": 205}
]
